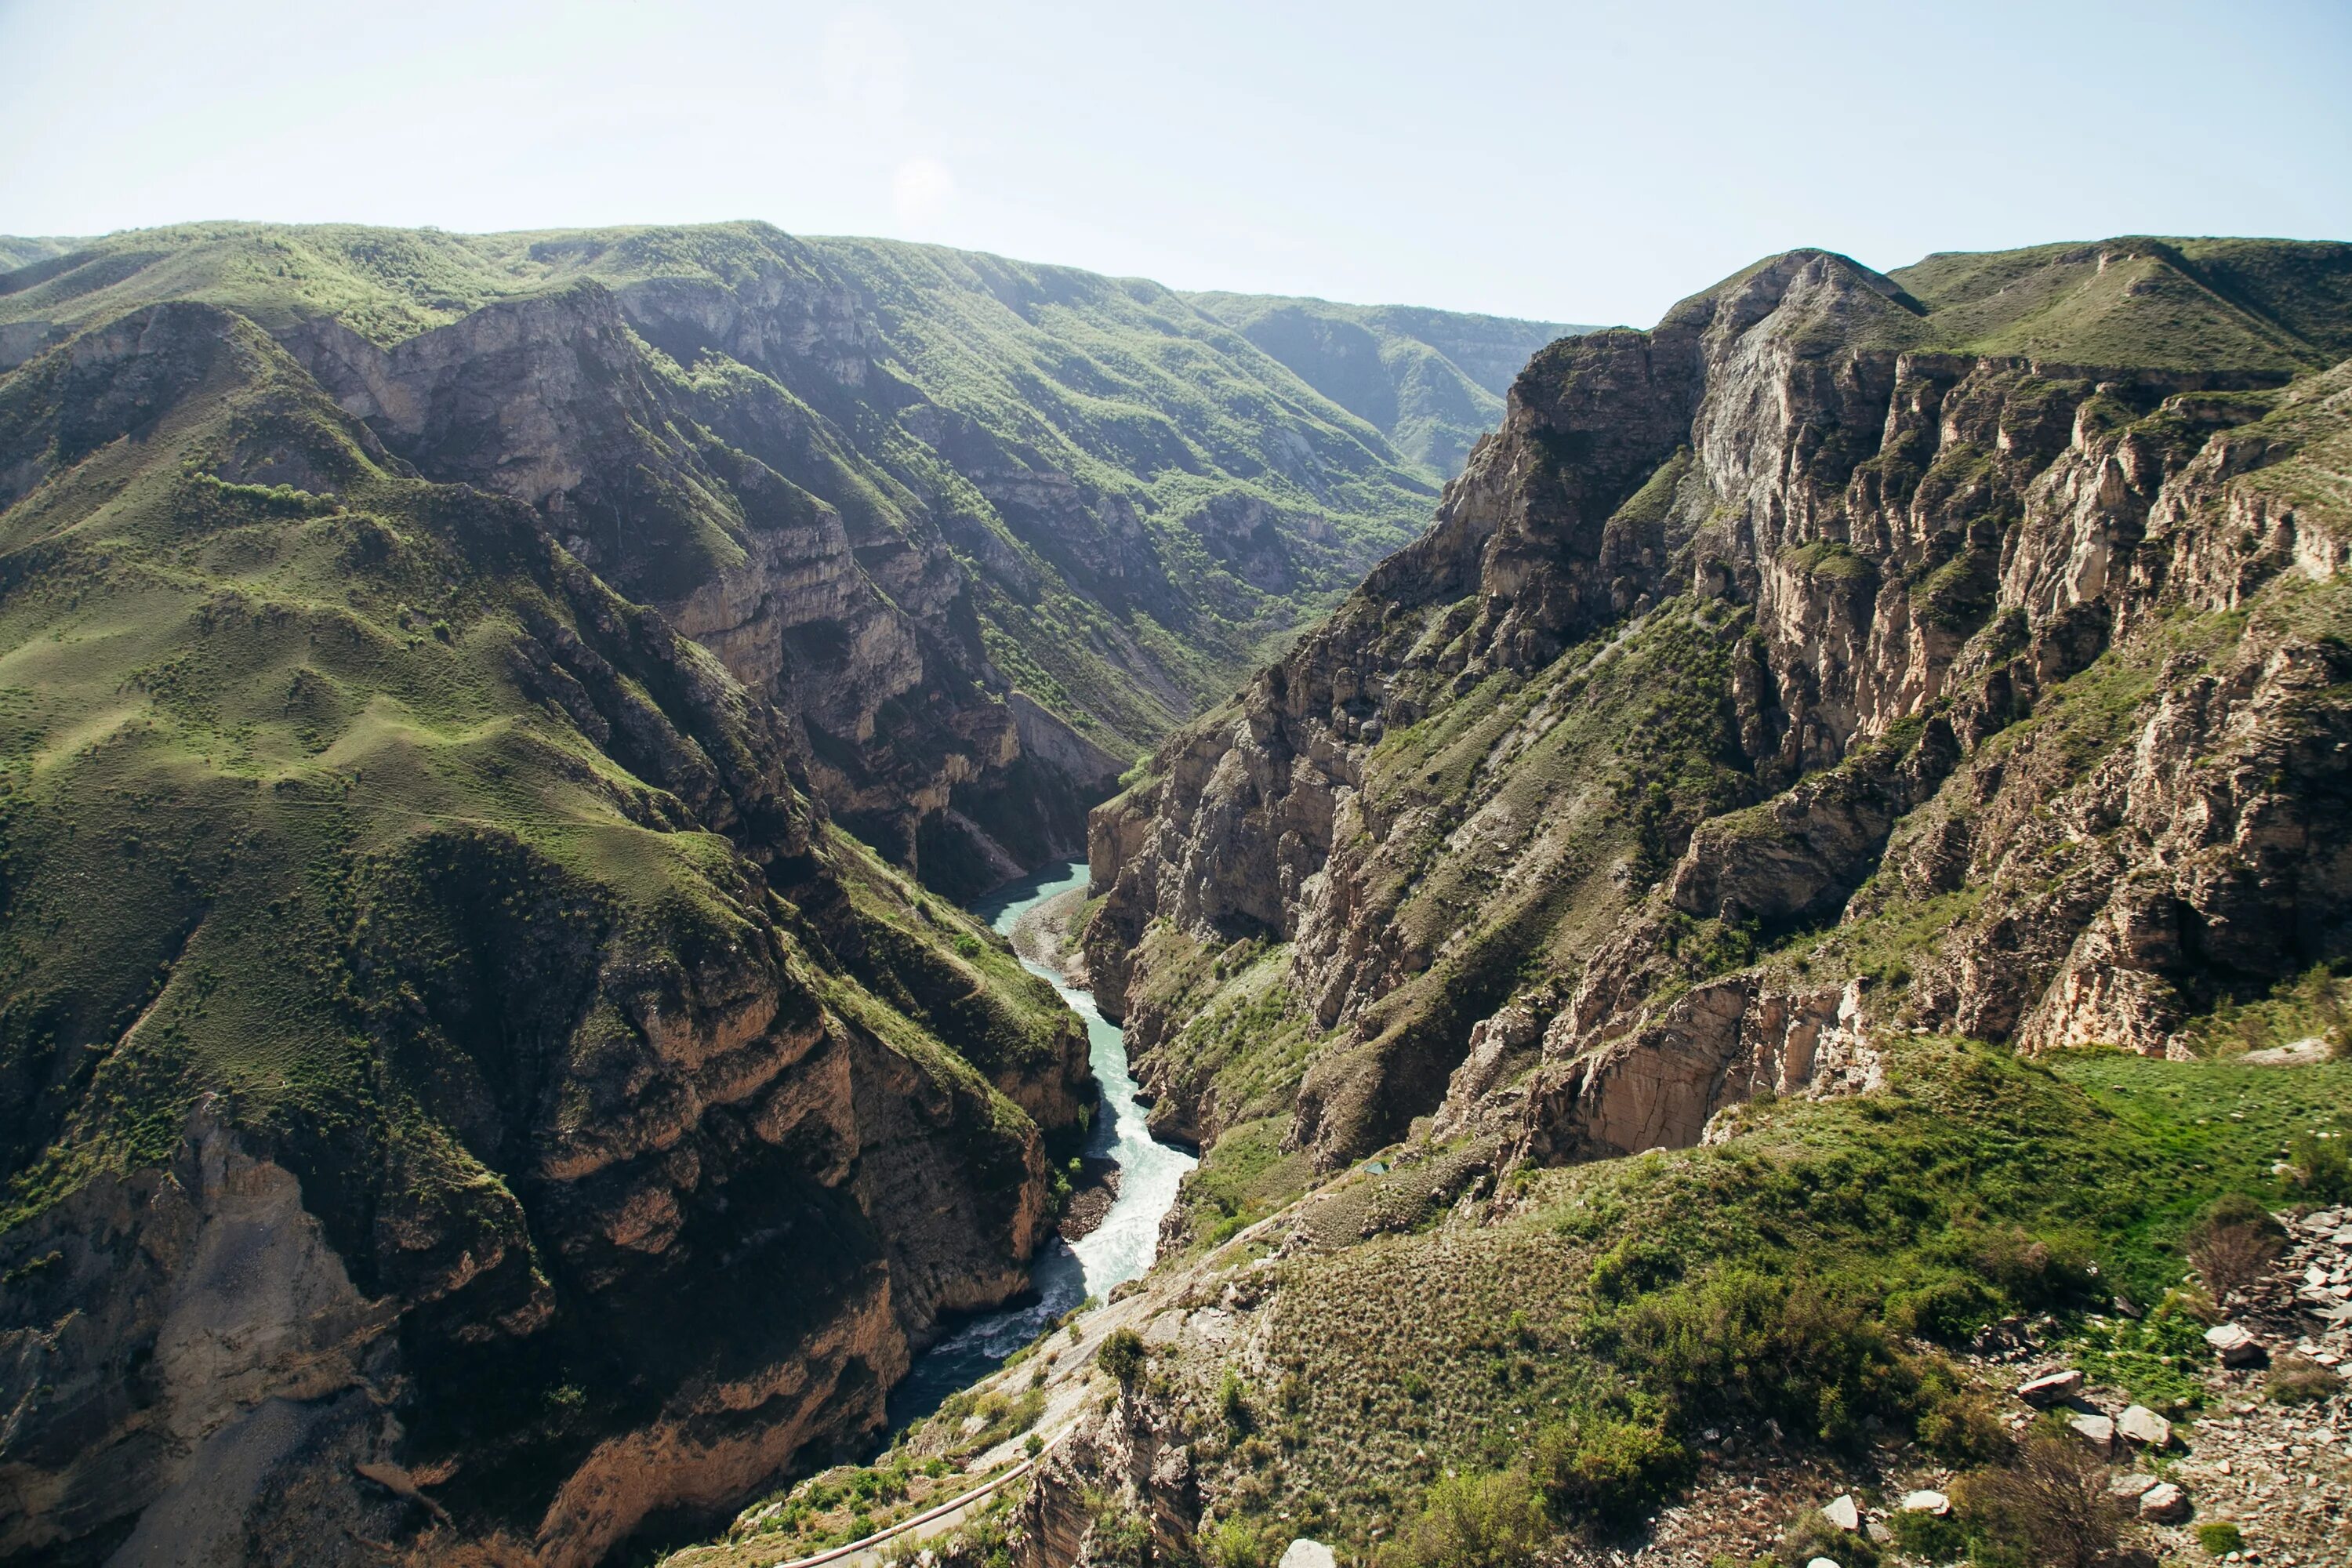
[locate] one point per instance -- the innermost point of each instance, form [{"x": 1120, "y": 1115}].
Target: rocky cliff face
[
  {"x": 1723, "y": 611},
  {"x": 460, "y": 1098}
]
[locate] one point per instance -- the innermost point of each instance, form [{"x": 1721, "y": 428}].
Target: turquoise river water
[{"x": 1064, "y": 1273}]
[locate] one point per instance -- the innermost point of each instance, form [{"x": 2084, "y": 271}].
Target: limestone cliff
[{"x": 2028, "y": 566}]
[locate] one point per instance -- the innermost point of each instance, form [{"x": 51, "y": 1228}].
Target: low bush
[
  {"x": 1812, "y": 1535},
  {"x": 1470, "y": 1521},
  {"x": 1606, "y": 1468},
  {"x": 2233, "y": 1242},
  {"x": 2297, "y": 1380},
  {"x": 2324, "y": 1169},
  {"x": 2049, "y": 1507},
  {"x": 2221, "y": 1538},
  {"x": 1772, "y": 1346},
  {"x": 1122, "y": 1356},
  {"x": 1930, "y": 1537}
]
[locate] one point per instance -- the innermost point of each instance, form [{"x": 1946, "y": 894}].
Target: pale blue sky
[{"x": 1575, "y": 161}]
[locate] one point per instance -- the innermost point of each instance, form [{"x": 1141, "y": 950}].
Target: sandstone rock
[
  {"x": 2098, "y": 1431},
  {"x": 2164, "y": 1503},
  {"x": 2235, "y": 1343},
  {"x": 1927, "y": 1502},
  {"x": 2054, "y": 1388},
  {"x": 2130, "y": 1484},
  {"x": 1841, "y": 1511},
  {"x": 2144, "y": 1426}
]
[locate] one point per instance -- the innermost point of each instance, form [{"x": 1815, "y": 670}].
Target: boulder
[
  {"x": 1821, "y": 1563},
  {"x": 2145, "y": 1427},
  {"x": 2129, "y": 1485},
  {"x": 2055, "y": 1388},
  {"x": 2164, "y": 1503},
  {"x": 2236, "y": 1344},
  {"x": 1933, "y": 1503},
  {"x": 2098, "y": 1431},
  {"x": 1842, "y": 1512},
  {"x": 1306, "y": 1553}
]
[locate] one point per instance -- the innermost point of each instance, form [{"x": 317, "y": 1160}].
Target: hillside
[
  {"x": 441, "y": 1041},
  {"x": 1431, "y": 381},
  {"x": 1798, "y": 710},
  {"x": 985, "y": 529}
]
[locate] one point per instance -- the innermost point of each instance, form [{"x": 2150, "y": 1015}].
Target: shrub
[
  {"x": 2297, "y": 1379},
  {"x": 1478, "y": 1521},
  {"x": 2033, "y": 1270},
  {"x": 2050, "y": 1505},
  {"x": 2233, "y": 1242},
  {"x": 1122, "y": 1356},
  {"x": 2324, "y": 1169},
  {"x": 1606, "y": 1468},
  {"x": 1949, "y": 1309},
  {"x": 1233, "y": 1400},
  {"x": 1932, "y": 1537},
  {"x": 1778, "y": 1347},
  {"x": 2220, "y": 1537},
  {"x": 1955, "y": 1422},
  {"x": 1812, "y": 1535},
  {"x": 1236, "y": 1543}
]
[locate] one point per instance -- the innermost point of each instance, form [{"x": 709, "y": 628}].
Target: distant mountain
[
  {"x": 1431, "y": 381},
  {"x": 18, "y": 250},
  {"x": 985, "y": 529}
]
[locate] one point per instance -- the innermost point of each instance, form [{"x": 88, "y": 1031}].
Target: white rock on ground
[
  {"x": 1933, "y": 1503},
  {"x": 1304, "y": 1553},
  {"x": 1842, "y": 1514},
  {"x": 2098, "y": 1431},
  {"x": 2129, "y": 1486},
  {"x": 2235, "y": 1342},
  {"x": 2050, "y": 1390},
  {"x": 2144, "y": 1425},
  {"x": 2164, "y": 1503}
]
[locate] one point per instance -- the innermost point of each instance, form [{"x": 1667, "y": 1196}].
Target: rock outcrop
[{"x": 1738, "y": 623}]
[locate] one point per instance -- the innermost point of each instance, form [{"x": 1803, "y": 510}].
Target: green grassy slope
[
  {"x": 1431, "y": 380},
  {"x": 2213, "y": 304},
  {"x": 1259, "y": 498},
  {"x": 358, "y": 808}
]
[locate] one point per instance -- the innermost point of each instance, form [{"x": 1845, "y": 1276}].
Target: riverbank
[
  {"x": 1045, "y": 936},
  {"x": 967, "y": 1411}
]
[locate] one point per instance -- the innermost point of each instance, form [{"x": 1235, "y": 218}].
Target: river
[{"x": 1064, "y": 1273}]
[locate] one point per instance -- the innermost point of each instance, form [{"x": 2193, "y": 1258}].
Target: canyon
[{"x": 497, "y": 734}]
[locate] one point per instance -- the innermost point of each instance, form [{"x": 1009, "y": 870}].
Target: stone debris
[
  {"x": 2236, "y": 1342},
  {"x": 1842, "y": 1514},
  {"x": 1926, "y": 1501},
  {"x": 2145, "y": 1427},
  {"x": 2098, "y": 1431},
  {"x": 2055, "y": 1388},
  {"x": 2164, "y": 1503}
]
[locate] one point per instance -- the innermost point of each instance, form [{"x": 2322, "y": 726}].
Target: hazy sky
[{"x": 1570, "y": 162}]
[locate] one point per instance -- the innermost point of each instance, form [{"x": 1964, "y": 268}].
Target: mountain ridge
[{"x": 989, "y": 477}]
